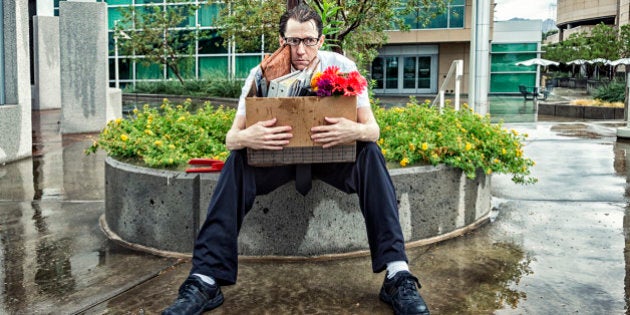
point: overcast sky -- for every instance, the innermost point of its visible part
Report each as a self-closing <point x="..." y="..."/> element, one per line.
<point x="527" y="9"/>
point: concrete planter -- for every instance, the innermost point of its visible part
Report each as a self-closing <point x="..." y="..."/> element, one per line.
<point x="160" y="211"/>
<point x="580" y="112"/>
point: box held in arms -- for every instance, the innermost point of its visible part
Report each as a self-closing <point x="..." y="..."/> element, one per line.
<point x="301" y="113"/>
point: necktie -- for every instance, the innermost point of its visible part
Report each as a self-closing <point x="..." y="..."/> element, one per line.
<point x="303" y="179"/>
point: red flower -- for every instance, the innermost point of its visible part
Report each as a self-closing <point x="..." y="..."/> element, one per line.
<point x="332" y="82"/>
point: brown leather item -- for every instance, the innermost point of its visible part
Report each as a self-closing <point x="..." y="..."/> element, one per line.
<point x="278" y="64"/>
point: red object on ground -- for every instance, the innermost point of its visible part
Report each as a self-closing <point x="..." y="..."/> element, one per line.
<point x="204" y="165"/>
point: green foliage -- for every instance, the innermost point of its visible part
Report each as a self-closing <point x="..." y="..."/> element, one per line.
<point x="419" y="134"/>
<point x="415" y="134"/>
<point x="355" y="26"/>
<point x="624" y="41"/>
<point x="217" y="86"/>
<point x="152" y="34"/>
<point x="614" y="91"/>
<point x="168" y="136"/>
<point x="601" y="42"/>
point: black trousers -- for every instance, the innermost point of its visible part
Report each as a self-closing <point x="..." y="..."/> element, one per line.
<point x="216" y="250"/>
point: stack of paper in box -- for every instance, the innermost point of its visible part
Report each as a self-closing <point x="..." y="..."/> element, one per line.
<point x="293" y="84"/>
<point x="285" y="100"/>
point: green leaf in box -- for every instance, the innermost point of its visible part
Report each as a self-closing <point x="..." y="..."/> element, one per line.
<point x="301" y="113"/>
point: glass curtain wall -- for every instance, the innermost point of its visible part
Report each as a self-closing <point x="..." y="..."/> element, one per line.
<point x="505" y="75"/>
<point x="452" y="18"/>
<point x="211" y="58"/>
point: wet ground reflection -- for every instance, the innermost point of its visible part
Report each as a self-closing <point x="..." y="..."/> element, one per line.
<point x="558" y="247"/>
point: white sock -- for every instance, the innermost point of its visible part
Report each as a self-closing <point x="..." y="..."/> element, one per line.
<point x="396" y="266"/>
<point x="204" y="278"/>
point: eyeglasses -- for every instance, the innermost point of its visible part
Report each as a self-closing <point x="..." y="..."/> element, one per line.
<point x="295" y="41"/>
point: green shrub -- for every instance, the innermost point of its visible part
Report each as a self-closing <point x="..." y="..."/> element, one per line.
<point x="614" y="91"/>
<point x="217" y="86"/>
<point x="411" y="135"/>
<point x="419" y="134"/>
<point x="168" y="136"/>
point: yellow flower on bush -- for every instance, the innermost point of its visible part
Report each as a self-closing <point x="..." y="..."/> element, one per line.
<point x="381" y="141"/>
<point x="158" y="143"/>
<point x="148" y="132"/>
<point x="468" y="146"/>
<point x="181" y="118"/>
<point x="412" y="147"/>
<point x="425" y="146"/>
<point x="404" y="162"/>
<point x="519" y="153"/>
<point x="118" y="121"/>
<point x="383" y="151"/>
<point x="124" y="137"/>
<point x="503" y="151"/>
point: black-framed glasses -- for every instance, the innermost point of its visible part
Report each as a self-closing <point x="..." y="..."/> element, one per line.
<point x="295" y="41"/>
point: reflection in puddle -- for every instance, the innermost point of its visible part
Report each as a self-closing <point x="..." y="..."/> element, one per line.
<point x="474" y="277"/>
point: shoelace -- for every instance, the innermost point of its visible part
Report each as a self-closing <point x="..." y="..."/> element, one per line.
<point x="408" y="286"/>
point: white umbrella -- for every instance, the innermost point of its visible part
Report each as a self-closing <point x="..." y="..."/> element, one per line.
<point x="577" y="62"/>
<point x="622" y="61"/>
<point x="598" y="60"/>
<point x="537" y="61"/>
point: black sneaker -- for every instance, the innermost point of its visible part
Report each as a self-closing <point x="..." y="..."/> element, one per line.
<point x="401" y="293"/>
<point x="195" y="297"/>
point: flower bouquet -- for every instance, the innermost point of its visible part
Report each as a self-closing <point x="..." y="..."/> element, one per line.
<point x="332" y="82"/>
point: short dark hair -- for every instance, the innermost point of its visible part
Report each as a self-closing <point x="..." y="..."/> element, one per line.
<point x="301" y="13"/>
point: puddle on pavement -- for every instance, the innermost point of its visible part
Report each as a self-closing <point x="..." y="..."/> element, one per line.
<point x="576" y="130"/>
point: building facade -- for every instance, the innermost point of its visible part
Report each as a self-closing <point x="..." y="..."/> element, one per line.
<point x="582" y="15"/>
<point x="514" y="41"/>
<point x="413" y="62"/>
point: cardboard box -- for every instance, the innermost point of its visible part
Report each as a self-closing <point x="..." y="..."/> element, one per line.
<point x="301" y="113"/>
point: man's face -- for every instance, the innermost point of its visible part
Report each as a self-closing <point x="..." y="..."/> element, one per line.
<point x="301" y="54"/>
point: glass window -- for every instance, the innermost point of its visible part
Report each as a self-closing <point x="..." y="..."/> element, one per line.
<point x="124" y="69"/>
<point x="113" y="14"/>
<point x="213" y="66"/>
<point x="151" y="71"/>
<point x="116" y="2"/>
<point x="456" y="17"/>
<point x="208" y="13"/>
<point x="452" y="18"/>
<point x="514" y="47"/>
<point x="244" y="64"/>
<point x="507" y="62"/>
<point x="149" y="1"/>
<point x="509" y="82"/>
<point x="186" y="69"/>
<point x="409" y="73"/>
<point x="391" y="73"/>
<point x="377" y="72"/>
<point x="212" y="45"/>
<point x="424" y="72"/>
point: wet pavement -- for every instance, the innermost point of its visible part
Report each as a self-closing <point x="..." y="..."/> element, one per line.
<point x="556" y="247"/>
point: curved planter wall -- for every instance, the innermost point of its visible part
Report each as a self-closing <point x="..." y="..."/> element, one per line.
<point x="161" y="211"/>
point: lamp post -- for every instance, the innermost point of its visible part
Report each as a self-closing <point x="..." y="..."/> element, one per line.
<point x="117" y="33"/>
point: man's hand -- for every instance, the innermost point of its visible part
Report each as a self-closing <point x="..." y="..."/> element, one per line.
<point x="261" y="135"/>
<point x="338" y="131"/>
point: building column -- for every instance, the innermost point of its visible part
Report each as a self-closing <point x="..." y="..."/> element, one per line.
<point x="480" y="57"/>
<point x="84" y="66"/>
<point x="15" y="107"/>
